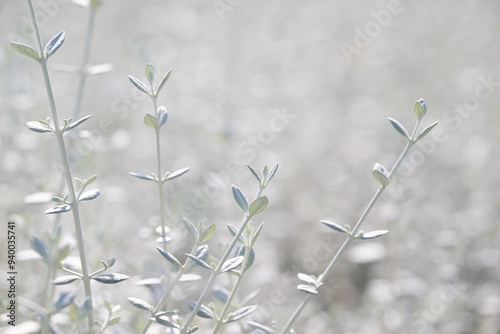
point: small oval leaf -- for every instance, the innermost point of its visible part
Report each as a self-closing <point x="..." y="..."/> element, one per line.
<point x="171" y="258"/>
<point x="39" y="127"/>
<point x="420" y="108"/>
<point x="193" y="232"/>
<point x="372" y="234"/>
<point x="334" y="226"/>
<point x="177" y="173"/>
<point x="308" y="289"/>
<point x="399" y="128"/>
<point x="54" y="44"/>
<point x="89" y="195"/>
<point x="151" y="121"/>
<point x="257" y="206"/>
<point x="232" y="263"/>
<point x="142" y="176"/>
<point x="63" y="280"/>
<point x="240" y="198"/>
<point x="110" y="278"/>
<point x="139" y="85"/>
<point x="163" y="81"/>
<point x="59" y="209"/>
<point x="73" y="125"/>
<point x="426" y="131"/>
<point x="380" y="174"/>
<point x="25" y="50"/>
<point x="240" y="313"/>
<point x="141" y="304"/>
<point x="203" y="312"/>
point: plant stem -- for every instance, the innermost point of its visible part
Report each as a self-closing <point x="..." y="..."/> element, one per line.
<point x="67" y="171"/>
<point x="352" y="233"/>
<point x="170" y="287"/>
<point x="231" y="296"/>
<point x="85" y="60"/>
<point x="215" y="273"/>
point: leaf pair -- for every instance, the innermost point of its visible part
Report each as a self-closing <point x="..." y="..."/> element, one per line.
<point x="253" y="209"/>
<point x="347" y="230"/>
<point x="52" y="46"/>
<point x="150" y="75"/>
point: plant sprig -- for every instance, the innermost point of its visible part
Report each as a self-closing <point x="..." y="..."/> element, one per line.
<point x="311" y="284"/>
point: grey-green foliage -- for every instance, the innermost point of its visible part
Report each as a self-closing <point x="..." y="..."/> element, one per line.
<point x="51" y="253"/>
<point x="310" y="284"/>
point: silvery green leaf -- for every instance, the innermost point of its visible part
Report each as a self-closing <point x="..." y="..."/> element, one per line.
<point x="139" y="303"/>
<point x="234" y="232"/>
<point x="151" y="121"/>
<point x="221" y="293"/>
<point x="177" y="173"/>
<point x="256" y="325"/>
<point x="257" y="206"/>
<point x="271" y="174"/>
<point x="307" y="279"/>
<point x="110" y="278"/>
<point x="163" y="81"/>
<point x="193" y="232"/>
<point x="256" y="234"/>
<point x="165" y="322"/>
<point x="426" y="131"/>
<point x="420" y="108"/>
<point x="199" y="262"/>
<point x="202" y="252"/>
<point x="240" y="198"/>
<point x="110" y="262"/>
<point x="380" y="174"/>
<point x="73" y="125"/>
<point x="372" y="234"/>
<point x="307" y="288"/>
<point x="63" y="280"/>
<point x="265" y="171"/>
<point x="207" y="233"/>
<point x="252" y="296"/>
<point x="254" y="172"/>
<point x="150" y="72"/>
<point x="399" y="128"/>
<point x="232" y="263"/>
<point x="203" y="312"/>
<point x="334" y="226"/>
<point x="139" y="85"/>
<point x="142" y="176"/>
<point x="91" y="180"/>
<point x="89" y="195"/>
<point x="54" y="44"/>
<point x="42" y="249"/>
<point x="170" y="257"/>
<point x="65" y="299"/>
<point x="25" y="50"/>
<point x="163" y="239"/>
<point x="240" y="313"/>
<point x="162" y="115"/>
<point x="99" y="69"/>
<point x="59" y="209"/>
<point x="113" y="321"/>
<point x="163" y="313"/>
<point x="39" y="127"/>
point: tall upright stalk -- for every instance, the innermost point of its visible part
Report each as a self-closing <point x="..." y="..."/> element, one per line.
<point x="72" y="199"/>
<point x="381" y="175"/>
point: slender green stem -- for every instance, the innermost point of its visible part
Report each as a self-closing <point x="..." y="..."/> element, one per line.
<point x="214" y="274"/>
<point x="67" y="171"/>
<point x="85" y="61"/>
<point x="352" y="233"/>
<point x="219" y="323"/>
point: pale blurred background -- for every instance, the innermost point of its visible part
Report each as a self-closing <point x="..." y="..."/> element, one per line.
<point x="265" y="82"/>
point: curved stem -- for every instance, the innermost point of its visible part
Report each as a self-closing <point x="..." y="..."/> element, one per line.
<point x="67" y="172"/>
